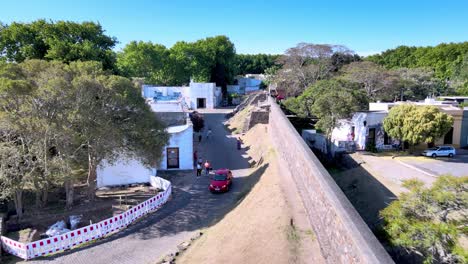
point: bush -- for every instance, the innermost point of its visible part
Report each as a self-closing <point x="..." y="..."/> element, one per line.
<point x="430" y="221"/>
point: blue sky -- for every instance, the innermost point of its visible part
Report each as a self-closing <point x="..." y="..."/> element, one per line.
<point x="257" y="26"/>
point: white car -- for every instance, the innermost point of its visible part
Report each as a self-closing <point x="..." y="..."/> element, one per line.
<point x="441" y="151"/>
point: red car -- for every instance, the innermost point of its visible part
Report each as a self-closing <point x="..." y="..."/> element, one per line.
<point x="221" y="181"/>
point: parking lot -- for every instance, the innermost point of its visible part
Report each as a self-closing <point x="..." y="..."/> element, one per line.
<point x="456" y="166"/>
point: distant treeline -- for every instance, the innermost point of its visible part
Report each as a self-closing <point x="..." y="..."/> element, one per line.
<point x="444" y="59"/>
<point x="212" y="59"/>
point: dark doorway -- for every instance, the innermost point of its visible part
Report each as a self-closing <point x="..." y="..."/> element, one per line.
<point x="371" y="137"/>
<point x="448" y="138"/>
<point x="387" y="140"/>
<point x="201" y="102"/>
<point x="172" y="158"/>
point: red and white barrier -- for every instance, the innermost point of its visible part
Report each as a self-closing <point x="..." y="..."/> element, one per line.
<point x="85" y="234"/>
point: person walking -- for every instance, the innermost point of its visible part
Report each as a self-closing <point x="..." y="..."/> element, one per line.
<point x="200" y="161"/>
<point x="239" y="143"/>
<point x="199" y="137"/>
<point x="199" y="169"/>
<point x="207" y="167"/>
<point x="195" y="158"/>
<point x="208" y="134"/>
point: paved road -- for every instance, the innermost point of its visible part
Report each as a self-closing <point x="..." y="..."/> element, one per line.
<point x="456" y="166"/>
<point x="191" y="208"/>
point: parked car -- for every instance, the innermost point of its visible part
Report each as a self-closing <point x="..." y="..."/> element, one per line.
<point x="440" y="151"/>
<point x="221" y="181"/>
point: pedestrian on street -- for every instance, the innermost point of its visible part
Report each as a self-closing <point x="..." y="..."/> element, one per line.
<point x="207" y="167"/>
<point x="208" y="134"/>
<point x="239" y="143"/>
<point x="199" y="169"/>
<point x="200" y="161"/>
<point x="195" y="157"/>
<point x="199" y="137"/>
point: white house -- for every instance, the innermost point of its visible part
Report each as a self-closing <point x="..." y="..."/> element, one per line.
<point x="177" y="154"/>
<point x="195" y="96"/>
<point x="366" y="128"/>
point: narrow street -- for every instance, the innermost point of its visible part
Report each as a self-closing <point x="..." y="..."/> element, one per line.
<point x="191" y="208"/>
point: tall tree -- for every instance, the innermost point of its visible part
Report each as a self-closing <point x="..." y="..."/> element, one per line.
<point x="377" y="82"/>
<point x="145" y="59"/>
<point x="330" y="101"/>
<point x="305" y="64"/>
<point x="65" y="41"/>
<point x="254" y="63"/>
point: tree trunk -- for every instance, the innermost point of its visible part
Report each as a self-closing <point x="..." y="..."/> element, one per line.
<point x="69" y="191"/>
<point x="18" y="199"/>
<point x="92" y="177"/>
<point x="38" y="191"/>
<point x="45" y="195"/>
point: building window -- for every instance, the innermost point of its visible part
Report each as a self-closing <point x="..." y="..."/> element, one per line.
<point x="448" y="139"/>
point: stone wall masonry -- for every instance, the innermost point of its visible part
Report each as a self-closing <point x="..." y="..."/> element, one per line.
<point x="342" y="234"/>
<point x="258" y="117"/>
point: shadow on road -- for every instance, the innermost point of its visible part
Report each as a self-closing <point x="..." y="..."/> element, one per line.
<point x="192" y="206"/>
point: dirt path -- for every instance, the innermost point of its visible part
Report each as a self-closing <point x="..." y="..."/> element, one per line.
<point x="267" y="226"/>
<point x="192" y="208"/>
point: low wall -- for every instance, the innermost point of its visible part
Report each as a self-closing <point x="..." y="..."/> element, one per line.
<point x="85" y="234"/>
<point x="342" y="234"/>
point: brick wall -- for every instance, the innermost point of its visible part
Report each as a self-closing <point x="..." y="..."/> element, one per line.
<point x="342" y="234"/>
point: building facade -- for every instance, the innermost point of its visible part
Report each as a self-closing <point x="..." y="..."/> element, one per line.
<point x="194" y="96"/>
<point x="366" y="128"/>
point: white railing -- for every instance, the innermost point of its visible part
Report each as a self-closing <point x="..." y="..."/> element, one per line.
<point x="85" y="234"/>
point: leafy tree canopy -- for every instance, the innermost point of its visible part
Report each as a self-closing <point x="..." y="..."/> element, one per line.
<point x="417" y="124"/>
<point x="64" y="41"/>
<point x="441" y="58"/>
<point x="430" y="221"/>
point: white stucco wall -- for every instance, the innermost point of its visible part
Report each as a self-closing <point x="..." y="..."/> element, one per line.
<point x="123" y="171"/>
<point x="149" y="90"/>
<point x="202" y="90"/>
<point x="182" y="138"/>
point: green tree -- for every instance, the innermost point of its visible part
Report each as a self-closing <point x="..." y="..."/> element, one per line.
<point x="254" y="63"/>
<point x="440" y="58"/>
<point x="73" y="117"/>
<point x="145" y="59"/>
<point x="417" y="124"/>
<point x="430" y="221"/>
<point x="329" y="101"/>
<point x="65" y="41"/>
<point x="376" y="81"/>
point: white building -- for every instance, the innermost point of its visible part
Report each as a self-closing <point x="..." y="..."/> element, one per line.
<point x="245" y="85"/>
<point x="366" y="128"/>
<point x="195" y="96"/>
<point x="177" y="154"/>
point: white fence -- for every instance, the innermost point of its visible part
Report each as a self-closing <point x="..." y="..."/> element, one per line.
<point x="85" y="234"/>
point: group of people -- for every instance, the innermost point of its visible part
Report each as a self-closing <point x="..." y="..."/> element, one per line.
<point x="201" y="165"/>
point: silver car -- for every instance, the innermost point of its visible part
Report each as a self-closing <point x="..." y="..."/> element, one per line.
<point x="447" y="151"/>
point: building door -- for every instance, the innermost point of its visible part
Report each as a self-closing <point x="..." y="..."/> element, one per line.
<point x="201" y="102"/>
<point x="371" y="137"/>
<point x="448" y="139"/>
<point x="172" y="158"/>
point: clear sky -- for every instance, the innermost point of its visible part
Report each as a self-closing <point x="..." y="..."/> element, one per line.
<point x="257" y="26"/>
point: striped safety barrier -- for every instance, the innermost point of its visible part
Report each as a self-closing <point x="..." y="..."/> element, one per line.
<point x="85" y="234"/>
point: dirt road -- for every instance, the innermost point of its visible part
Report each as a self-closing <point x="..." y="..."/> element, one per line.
<point x="192" y="208"/>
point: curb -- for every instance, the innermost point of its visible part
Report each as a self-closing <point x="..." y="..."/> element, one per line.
<point x="416" y="169"/>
